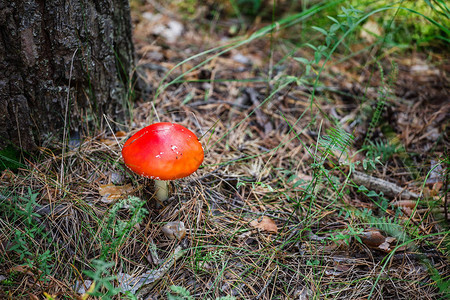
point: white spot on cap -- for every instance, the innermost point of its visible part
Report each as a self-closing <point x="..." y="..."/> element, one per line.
<point x="174" y="149"/>
<point x="149" y="177"/>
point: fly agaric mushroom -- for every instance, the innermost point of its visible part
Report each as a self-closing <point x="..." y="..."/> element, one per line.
<point x="163" y="151"/>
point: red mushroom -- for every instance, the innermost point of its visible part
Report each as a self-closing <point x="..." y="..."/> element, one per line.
<point x="163" y="151"/>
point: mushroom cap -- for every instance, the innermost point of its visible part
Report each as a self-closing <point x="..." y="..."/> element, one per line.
<point x="163" y="151"/>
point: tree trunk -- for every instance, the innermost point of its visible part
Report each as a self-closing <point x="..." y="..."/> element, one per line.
<point x="63" y="65"/>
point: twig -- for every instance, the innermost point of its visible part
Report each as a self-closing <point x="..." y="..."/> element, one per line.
<point x="263" y="290"/>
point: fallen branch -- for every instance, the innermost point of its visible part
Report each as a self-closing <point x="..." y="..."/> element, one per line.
<point x="379" y="185"/>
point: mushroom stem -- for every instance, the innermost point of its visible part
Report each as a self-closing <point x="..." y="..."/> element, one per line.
<point x="162" y="190"/>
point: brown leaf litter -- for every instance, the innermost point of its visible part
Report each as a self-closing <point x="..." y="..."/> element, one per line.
<point x="248" y="231"/>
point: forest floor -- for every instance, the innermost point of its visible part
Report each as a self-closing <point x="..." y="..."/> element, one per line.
<point x="321" y="183"/>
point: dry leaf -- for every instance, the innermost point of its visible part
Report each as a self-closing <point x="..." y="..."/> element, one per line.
<point x="390" y="239"/>
<point x="404" y="203"/>
<point x="81" y="287"/>
<point x="436" y="188"/>
<point x="265" y="224"/>
<point x="341" y="268"/>
<point x="372" y="238"/>
<point x="111" y="192"/>
<point x="108" y="142"/>
<point x="120" y="133"/>
<point x="385" y="247"/>
<point x="174" y="230"/>
<point x="24" y="269"/>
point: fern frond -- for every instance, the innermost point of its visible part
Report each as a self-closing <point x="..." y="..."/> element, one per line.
<point x="336" y="140"/>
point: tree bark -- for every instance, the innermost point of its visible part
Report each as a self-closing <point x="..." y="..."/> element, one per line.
<point x="63" y="65"/>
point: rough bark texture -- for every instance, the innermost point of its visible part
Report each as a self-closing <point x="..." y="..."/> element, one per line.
<point x="38" y="39"/>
